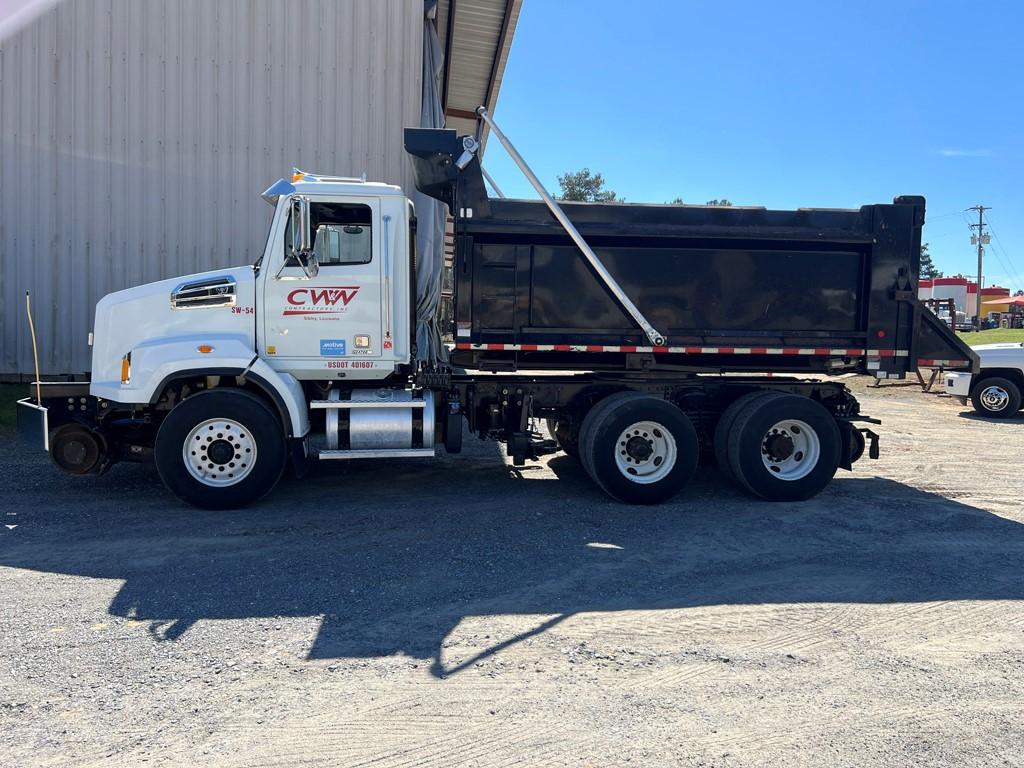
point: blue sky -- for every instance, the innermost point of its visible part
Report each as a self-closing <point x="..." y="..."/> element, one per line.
<point x="783" y="104"/>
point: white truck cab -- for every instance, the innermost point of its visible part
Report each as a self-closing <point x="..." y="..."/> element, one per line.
<point x="220" y="375"/>
<point x="349" y="317"/>
<point x="996" y="390"/>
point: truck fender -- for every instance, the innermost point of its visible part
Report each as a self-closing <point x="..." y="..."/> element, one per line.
<point x="156" y="363"/>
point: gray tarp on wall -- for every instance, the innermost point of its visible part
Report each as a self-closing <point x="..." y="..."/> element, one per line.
<point x="430" y="213"/>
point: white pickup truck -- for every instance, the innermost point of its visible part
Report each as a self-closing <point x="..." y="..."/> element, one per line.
<point x="997" y="388"/>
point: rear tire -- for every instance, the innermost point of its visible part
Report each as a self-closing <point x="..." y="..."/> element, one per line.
<point x="996" y="397"/>
<point x="724" y="427"/>
<point x="220" y="449"/>
<point x="639" y="449"/>
<point x="784" y="448"/>
<point x="594" y="415"/>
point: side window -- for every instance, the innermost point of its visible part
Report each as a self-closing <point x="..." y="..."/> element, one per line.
<point x="344" y="234"/>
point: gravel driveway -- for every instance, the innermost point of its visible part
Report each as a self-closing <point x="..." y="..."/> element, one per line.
<point x="463" y="612"/>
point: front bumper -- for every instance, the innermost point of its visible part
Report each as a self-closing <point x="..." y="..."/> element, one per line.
<point x="958" y="385"/>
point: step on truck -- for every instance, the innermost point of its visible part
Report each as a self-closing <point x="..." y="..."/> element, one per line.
<point x="639" y="339"/>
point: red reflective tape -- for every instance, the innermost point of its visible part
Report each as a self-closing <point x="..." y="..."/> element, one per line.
<point x="529" y="347"/>
<point x="726" y="350"/>
<point x="791" y="351"/>
<point x="463" y="345"/>
<point x="887" y="353"/>
<point x="660" y="349"/>
<point x="561" y="347"/>
<point x="628" y="348"/>
<point x="759" y="350"/>
<point x="494" y="347"/>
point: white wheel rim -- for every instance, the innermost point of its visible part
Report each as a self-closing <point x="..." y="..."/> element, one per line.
<point x="790" y="449"/>
<point x="645" y="452"/>
<point x="219" y="452"/>
<point x="994" y="398"/>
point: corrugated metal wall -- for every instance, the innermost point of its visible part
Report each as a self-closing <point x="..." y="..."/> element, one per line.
<point x="136" y="136"/>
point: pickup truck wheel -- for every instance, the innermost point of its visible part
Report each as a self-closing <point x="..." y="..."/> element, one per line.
<point x="784" y="448"/>
<point x="640" y="449"/>
<point x="220" y="449"/>
<point x="724" y="427"/>
<point x="996" y="397"/>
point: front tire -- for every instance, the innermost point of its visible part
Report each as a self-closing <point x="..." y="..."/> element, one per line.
<point x="996" y="397"/>
<point x="639" y="449"/>
<point x="220" y="449"/>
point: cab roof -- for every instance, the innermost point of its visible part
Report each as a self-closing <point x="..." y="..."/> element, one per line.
<point x="305" y="183"/>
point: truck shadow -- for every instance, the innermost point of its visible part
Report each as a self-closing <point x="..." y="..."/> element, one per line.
<point x="394" y="557"/>
<point x="974" y="416"/>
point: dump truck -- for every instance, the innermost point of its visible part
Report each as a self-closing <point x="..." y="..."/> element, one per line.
<point x="643" y="340"/>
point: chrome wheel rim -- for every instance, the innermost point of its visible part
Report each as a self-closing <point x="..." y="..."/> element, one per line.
<point x="994" y="398"/>
<point x="645" y="452"/>
<point x="791" y="449"/>
<point x="219" y="452"/>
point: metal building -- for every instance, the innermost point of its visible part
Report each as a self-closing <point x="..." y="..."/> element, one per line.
<point x="136" y="135"/>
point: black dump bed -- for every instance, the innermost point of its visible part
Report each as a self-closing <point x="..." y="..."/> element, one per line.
<point x="733" y="289"/>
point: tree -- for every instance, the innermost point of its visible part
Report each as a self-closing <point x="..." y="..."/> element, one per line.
<point x="722" y="203"/>
<point x="928" y="269"/>
<point x="1020" y="292"/>
<point x="586" y="187"/>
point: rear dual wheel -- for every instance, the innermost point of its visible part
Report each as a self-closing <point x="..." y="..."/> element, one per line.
<point x="778" y="446"/>
<point x="638" y="449"/>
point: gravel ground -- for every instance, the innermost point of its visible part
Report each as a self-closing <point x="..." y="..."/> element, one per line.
<point x="463" y="612"/>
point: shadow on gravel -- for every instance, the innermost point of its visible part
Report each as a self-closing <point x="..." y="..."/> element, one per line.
<point x="394" y="558"/>
<point x="975" y="416"/>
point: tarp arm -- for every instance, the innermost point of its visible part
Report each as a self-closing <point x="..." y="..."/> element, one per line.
<point x="656" y="338"/>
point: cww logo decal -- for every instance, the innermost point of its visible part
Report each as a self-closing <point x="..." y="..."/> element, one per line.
<point x="329" y="300"/>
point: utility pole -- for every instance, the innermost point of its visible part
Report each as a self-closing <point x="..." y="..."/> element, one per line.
<point x="981" y="240"/>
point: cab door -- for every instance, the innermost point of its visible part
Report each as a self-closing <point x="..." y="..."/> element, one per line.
<point x="336" y="318"/>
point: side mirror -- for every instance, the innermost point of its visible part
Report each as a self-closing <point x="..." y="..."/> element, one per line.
<point x="302" y="246"/>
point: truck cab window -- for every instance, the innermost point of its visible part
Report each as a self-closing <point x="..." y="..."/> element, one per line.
<point x="343" y="234"/>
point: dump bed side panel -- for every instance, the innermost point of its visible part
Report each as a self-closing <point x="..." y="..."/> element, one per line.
<point x="734" y="289"/>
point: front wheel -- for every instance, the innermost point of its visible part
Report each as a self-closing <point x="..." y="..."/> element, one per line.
<point x="996" y="397"/>
<point x="220" y="449"/>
